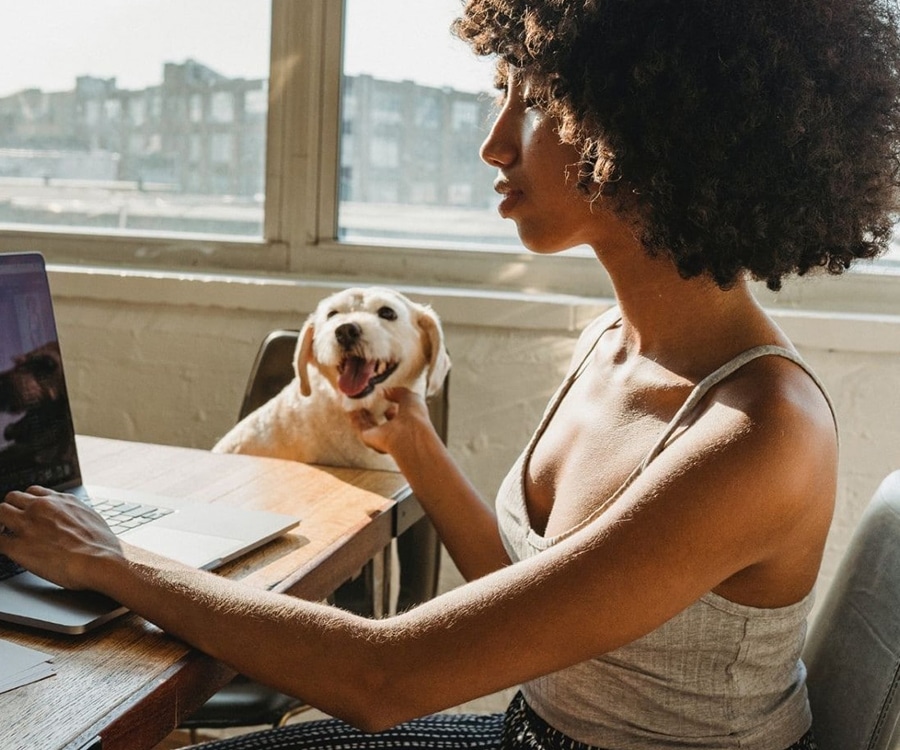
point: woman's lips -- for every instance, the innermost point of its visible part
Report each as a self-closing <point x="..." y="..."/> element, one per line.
<point x="510" y="200"/>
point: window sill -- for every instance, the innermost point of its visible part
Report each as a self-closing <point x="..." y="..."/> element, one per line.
<point x="279" y="295"/>
<point x="871" y="290"/>
<point x="841" y="329"/>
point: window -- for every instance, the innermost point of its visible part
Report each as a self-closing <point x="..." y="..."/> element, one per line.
<point x="184" y="163"/>
<point x="354" y="165"/>
<point x="384" y="153"/>
<point x="428" y="112"/>
<point x="222" y="107"/>
<point x="222" y="148"/>
<point x="419" y="105"/>
<point x="256" y="101"/>
<point x="195" y="105"/>
<point x="465" y="115"/>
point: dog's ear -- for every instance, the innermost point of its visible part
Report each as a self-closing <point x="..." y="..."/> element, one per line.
<point x="303" y="354"/>
<point x="438" y="358"/>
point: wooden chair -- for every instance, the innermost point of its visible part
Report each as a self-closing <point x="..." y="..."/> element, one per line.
<point x="244" y="703"/>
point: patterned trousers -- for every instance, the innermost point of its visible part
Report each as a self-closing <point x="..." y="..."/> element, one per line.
<point x="518" y="729"/>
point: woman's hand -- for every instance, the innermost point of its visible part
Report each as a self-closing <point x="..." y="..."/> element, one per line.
<point x="404" y="421"/>
<point x="54" y="535"/>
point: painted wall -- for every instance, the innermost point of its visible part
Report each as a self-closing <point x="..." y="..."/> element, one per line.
<point x="164" y="360"/>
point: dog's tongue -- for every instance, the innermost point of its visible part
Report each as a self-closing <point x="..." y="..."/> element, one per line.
<point x="355" y="376"/>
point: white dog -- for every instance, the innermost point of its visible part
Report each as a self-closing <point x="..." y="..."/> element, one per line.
<point x="356" y="343"/>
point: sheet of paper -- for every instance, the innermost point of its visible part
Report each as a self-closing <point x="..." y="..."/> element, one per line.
<point x="21" y="666"/>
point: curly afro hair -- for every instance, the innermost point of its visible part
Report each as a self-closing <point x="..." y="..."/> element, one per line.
<point x="758" y="136"/>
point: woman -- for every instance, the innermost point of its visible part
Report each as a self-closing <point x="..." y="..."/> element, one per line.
<point x="651" y="565"/>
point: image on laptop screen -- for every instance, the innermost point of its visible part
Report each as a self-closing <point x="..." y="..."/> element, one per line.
<point x="37" y="438"/>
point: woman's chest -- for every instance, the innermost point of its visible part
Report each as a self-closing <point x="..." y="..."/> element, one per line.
<point x="588" y="448"/>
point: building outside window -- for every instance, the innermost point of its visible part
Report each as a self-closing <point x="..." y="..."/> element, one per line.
<point x="210" y="130"/>
<point x="176" y="126"/>
<point x="222" y="106"/>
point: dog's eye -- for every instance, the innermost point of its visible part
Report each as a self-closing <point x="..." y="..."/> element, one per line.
<point x="331" y="314"/>
<point x="387" y="313"/>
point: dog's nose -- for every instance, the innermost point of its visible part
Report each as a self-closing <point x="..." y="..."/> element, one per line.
<point x="347" y="334"/>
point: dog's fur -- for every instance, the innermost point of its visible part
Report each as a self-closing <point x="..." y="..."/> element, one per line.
<point x="356" y="343"/>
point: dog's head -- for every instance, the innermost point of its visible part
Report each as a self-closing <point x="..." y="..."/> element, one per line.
<point x="363" y="339"/>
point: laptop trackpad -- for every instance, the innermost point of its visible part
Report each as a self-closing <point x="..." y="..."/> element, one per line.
<point x="237" y="524"/>
<point x="190" y="548"/>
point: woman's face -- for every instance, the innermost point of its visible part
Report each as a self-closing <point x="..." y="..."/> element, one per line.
<point x="537" y="175"/>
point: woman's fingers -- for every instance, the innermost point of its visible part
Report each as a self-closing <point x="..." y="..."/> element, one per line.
<point x="13" y="509"/>
<point x="10" y="508"/>
<point x="17" y="499"/>
<point x="54" y="535"/>
<point x="362" y="419"/>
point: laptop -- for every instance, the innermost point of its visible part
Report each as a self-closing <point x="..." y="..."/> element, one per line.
<point x="37" y="446"/>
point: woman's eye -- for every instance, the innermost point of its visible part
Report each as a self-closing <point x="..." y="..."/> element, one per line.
<point x="387" y="313"/>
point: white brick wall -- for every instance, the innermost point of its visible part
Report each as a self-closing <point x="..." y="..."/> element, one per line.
<point x="166" y="360"/>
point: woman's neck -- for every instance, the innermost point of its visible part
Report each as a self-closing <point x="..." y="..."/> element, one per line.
<point x="687" y="324"/>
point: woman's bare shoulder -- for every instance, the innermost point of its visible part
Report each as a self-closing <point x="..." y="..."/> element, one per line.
<point x="772" y="426"/>
<point x="781" y="400"/>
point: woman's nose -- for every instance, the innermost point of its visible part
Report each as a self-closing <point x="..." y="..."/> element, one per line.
<point x="499" y="148"/>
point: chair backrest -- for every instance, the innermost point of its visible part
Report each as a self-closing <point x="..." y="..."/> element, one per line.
<point x="273" y="369"/>
<point x="853" y="649"/>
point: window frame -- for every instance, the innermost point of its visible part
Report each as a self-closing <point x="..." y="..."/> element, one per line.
<point x="303" y="169"/>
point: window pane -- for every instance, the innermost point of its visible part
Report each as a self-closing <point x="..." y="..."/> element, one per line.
<point x="416" y="105"/>
<point x="144" y="115"/>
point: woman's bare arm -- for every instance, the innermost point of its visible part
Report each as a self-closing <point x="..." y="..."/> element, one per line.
<point x="744" y="499"/>
<point x="466" y="525"/>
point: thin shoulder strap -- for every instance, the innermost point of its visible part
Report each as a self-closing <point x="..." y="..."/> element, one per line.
<point x="703" y="387"/>
<point x="601" y="324"/>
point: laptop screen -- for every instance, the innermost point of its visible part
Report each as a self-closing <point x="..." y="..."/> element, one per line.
<point x="37" y="438"/>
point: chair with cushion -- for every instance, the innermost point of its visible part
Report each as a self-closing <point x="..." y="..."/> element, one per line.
<point x="244" y="703"/>
<point x="853" y="649"/>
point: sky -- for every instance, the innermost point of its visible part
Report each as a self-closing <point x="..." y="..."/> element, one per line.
<point x="51" y="42"/>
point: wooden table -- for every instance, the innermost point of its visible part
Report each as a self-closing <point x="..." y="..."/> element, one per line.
<point x="127" y="684"/>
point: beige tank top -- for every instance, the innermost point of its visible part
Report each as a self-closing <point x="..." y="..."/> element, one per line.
<point x="717" y="675"/>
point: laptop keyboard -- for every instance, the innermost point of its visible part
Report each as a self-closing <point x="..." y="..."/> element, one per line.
<point x="120" y="516"/>
<point x="8" y="568"/>
<point x="123" y="516"/>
